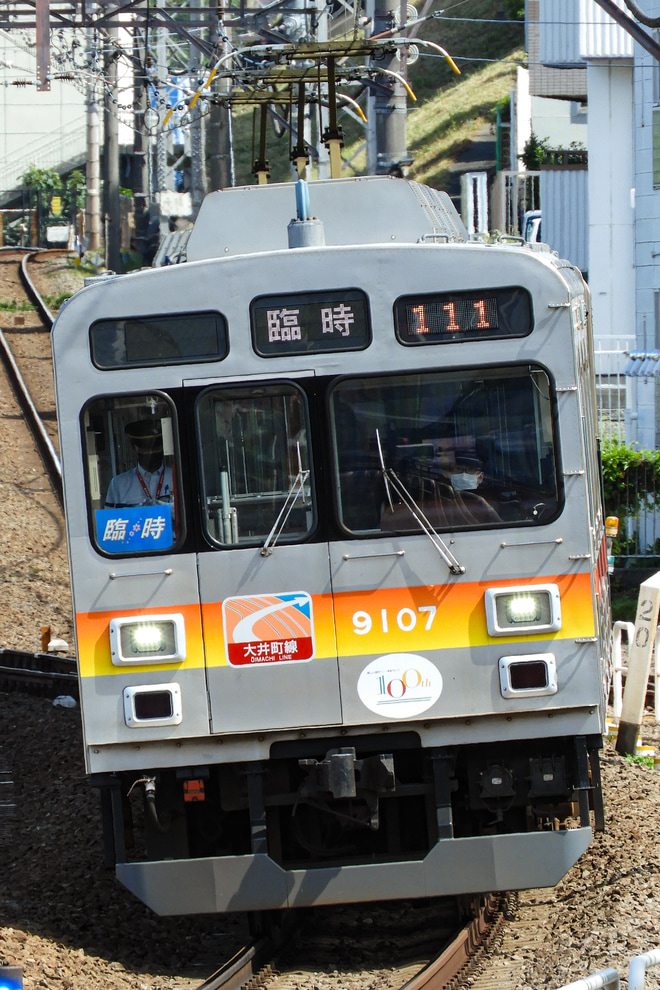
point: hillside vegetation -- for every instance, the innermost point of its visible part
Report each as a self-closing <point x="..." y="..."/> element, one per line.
<point x="450" y="110"/>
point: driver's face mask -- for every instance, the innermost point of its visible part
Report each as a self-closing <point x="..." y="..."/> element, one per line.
<point x="149" y="453"/>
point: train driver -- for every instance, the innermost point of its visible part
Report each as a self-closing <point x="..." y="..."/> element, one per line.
<point x="150" y="481"/>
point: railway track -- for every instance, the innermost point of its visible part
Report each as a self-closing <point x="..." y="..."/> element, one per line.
<point x="28" y="364"/>
<point x="25" y="321"/>
<point x="44" y="674"/>
<point x="418" y="946"/>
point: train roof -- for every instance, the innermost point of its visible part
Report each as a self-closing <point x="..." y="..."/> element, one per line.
<point x="361" y="210"/>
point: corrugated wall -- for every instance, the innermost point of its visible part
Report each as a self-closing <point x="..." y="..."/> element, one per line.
<point x="573" y="30"/>
<point x="559" y="33"/>
<point x="600" y="36"/>
<point x="565" y="207"/>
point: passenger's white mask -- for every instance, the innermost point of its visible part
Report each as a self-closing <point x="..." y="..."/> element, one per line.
<point x="465" y="482"/>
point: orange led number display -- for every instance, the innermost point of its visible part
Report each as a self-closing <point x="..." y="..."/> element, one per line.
<point x="459" y="316"/>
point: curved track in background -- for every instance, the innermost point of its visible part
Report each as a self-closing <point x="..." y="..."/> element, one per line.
<point x="44" y="674"/>
<point x="28" y="406"/>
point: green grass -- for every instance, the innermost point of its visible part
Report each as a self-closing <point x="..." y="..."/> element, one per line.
<point x="641" y="761"/>
<point x="55" y="302"/>
<point x="445" y="123"/>
<point x="449" y="109"/>
<point x="16" y="307"/>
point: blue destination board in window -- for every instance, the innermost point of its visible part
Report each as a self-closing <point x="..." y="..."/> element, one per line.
<point x="139" y="529"/>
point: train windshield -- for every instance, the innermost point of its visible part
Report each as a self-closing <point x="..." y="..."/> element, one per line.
<point x="255" y="464"/>
<point x="467" y="449"/>
<point x="132" y="470"/>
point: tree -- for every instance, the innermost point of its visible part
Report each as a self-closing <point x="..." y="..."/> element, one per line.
<point x="41" y="179"/>
<point x="535" y="152"/>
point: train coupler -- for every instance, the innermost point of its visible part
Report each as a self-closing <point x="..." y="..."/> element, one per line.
<point x="342" y="775"/>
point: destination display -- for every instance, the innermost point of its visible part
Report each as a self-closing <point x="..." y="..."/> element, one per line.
<point x="449" y="317"/>
<point x="310" y="322"/>
<point x="184" y="338"/>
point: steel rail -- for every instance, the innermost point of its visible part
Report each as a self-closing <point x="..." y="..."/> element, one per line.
<point x="44" y="674"/>
<point x="456" y="963"/>
<point x="256" y="961"/>
<point x="47" y="452"/>
<point x="31" y="289"/>
<point x="240" y="969"/>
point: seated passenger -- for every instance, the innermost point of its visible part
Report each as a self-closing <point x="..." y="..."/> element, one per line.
<point x="464" y="480"/>
<point x="454" y="500"/>
<point x="150" y="481"/>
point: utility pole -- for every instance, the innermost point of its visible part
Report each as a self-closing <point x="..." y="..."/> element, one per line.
<point x="197" y="170"/>
<point x="111" y="209"/>
<point x="387" y="152"/>
<point x="140" y="167"/>
<point x="93" y="171"/>
<point x="93" y="174"/>
<point x="160" y="180"/>
<point x="219" y="132"/>
<point x="320" y="23"/>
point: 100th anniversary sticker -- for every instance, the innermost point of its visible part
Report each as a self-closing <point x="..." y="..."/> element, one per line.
<point x="399" y="685"/>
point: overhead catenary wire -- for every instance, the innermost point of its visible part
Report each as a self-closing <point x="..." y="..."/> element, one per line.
<point x="164" y="106"/>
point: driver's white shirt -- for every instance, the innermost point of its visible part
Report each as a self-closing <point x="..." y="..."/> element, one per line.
<point x="125" y="489"/>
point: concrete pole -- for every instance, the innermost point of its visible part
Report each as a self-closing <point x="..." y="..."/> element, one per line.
<point x="140" y="173"/>
<point x="160" y="179"/>
<point x="219" y="130"/>
<point x="111" y="207"/>
<point x="93" y="169"/>
<point x="93" y="174"/>
<point x="389" y="105"/>
<point x="197" y="164"/>
<point x="323" y="169"/>
<point x="639" y="666"/>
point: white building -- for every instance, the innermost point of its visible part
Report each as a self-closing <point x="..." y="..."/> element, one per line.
<point x="647" y="233"/>
<point x="577" y="50"/>
<point x="46" y="129"/>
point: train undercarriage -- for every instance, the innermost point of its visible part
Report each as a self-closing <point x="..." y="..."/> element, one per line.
<point x="340" y="805"/>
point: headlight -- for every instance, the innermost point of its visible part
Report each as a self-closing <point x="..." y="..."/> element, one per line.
<point x="526" y="609"/>
<point x="148" y="639"/>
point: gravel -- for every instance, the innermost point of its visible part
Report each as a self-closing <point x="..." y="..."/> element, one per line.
<point x="71" y="925"/>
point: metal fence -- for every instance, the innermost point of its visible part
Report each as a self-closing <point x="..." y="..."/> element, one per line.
<point x="639" y="532"/>
<point x="639" y="528"/>
<point x="612" y="386"/>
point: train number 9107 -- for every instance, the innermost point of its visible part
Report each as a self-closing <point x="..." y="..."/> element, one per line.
<point x="405" y="619"/>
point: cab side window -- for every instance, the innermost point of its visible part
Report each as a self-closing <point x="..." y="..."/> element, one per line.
<point x="133" y="495"/>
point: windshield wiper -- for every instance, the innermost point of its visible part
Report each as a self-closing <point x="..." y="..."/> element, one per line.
<point x="296" y="491"/>
<point x="390" y="478"/>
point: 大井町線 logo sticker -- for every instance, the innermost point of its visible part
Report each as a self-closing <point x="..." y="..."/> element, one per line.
<point x="399" y="685"/>
<point x="268" y="628"/>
